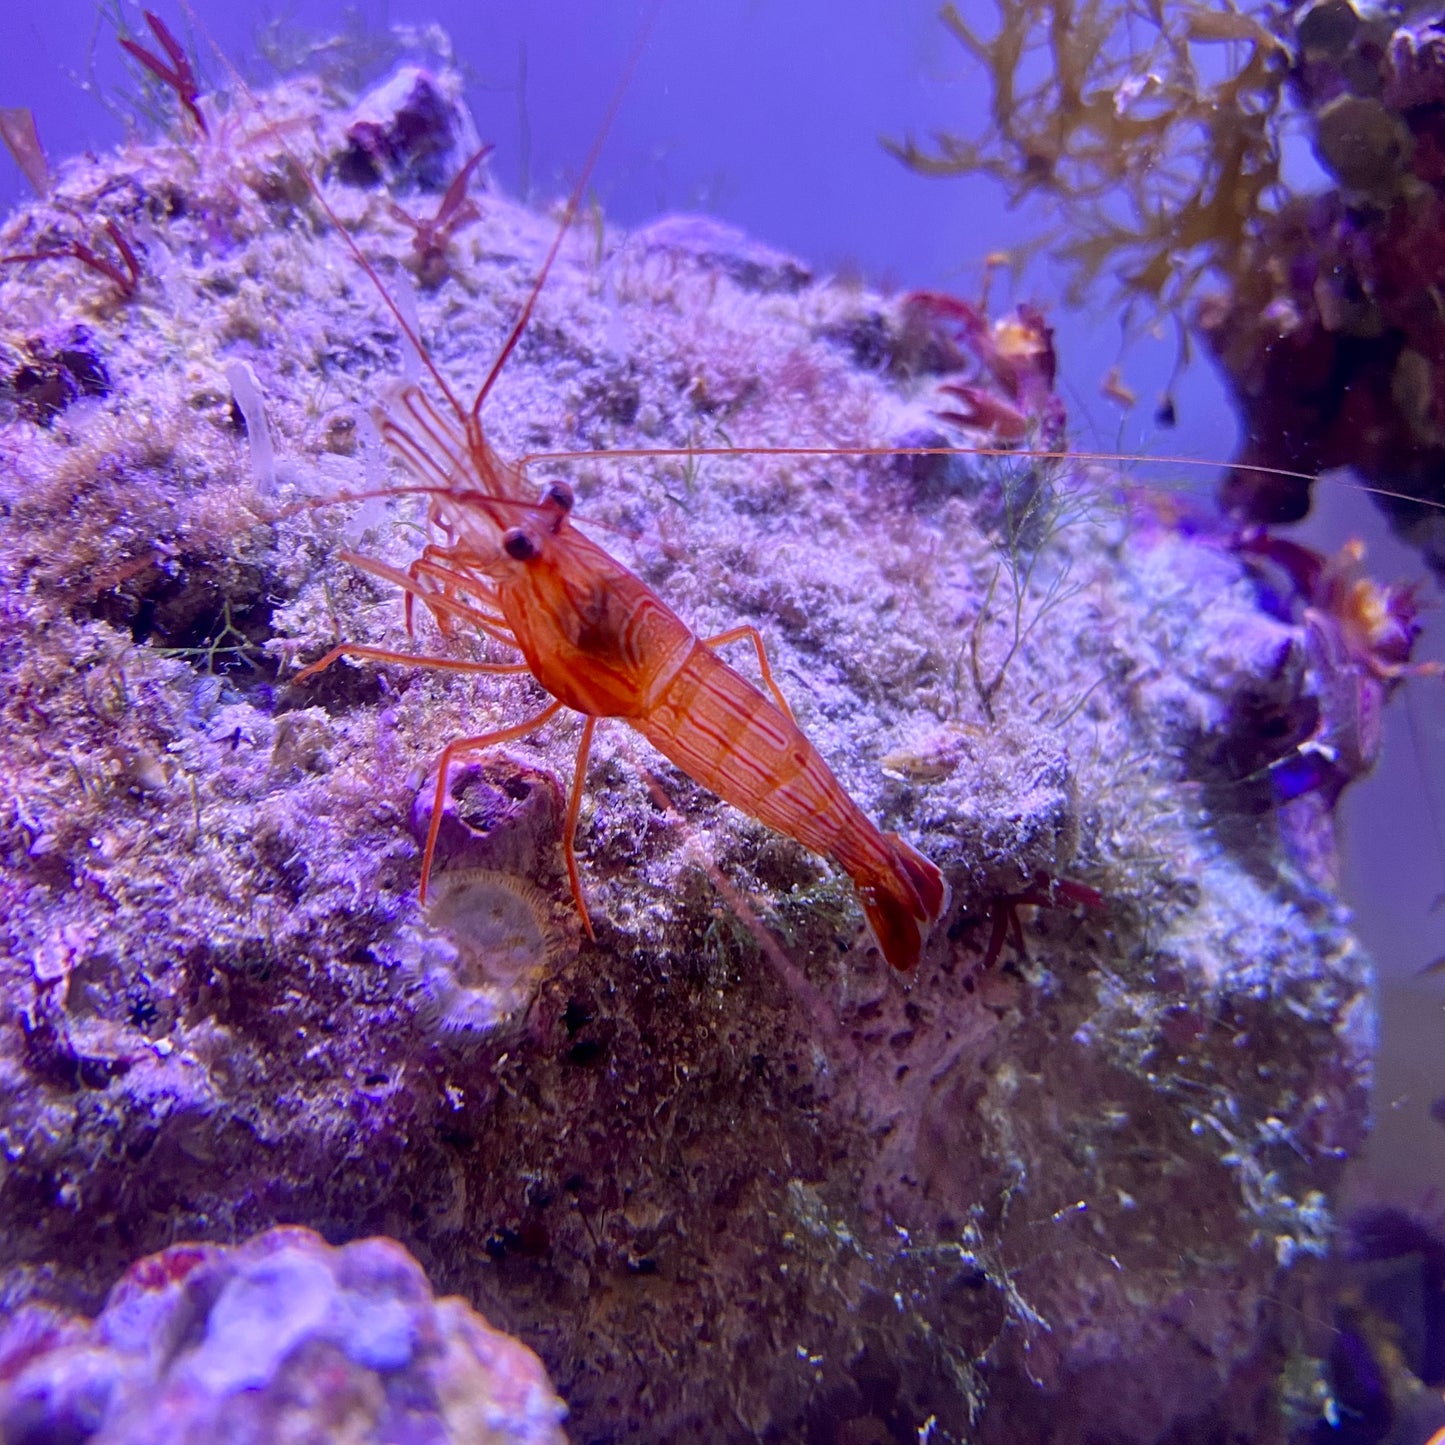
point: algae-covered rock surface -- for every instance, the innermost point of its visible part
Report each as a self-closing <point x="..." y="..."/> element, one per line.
<point x="729" y="1175"/>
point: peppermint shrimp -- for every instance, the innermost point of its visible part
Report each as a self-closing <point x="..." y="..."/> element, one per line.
<point x="604" y="644"/>
<point x="512" y="566"/>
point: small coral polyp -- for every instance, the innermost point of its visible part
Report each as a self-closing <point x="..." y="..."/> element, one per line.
<point x="492" y="940"/>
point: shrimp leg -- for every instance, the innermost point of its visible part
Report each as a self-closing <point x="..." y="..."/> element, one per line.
<point x="455" y="585"/>
<point x="455" y="749"/>
<point x="569" y="827"/>
<point x="736" y="634"/>
<point x="441" y="604"/>
<point x="384" y="654"/>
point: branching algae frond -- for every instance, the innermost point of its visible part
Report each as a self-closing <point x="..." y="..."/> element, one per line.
<point x="1161" y="159"/>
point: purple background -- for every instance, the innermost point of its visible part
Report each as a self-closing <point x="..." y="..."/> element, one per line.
<point x="768" y="113"/>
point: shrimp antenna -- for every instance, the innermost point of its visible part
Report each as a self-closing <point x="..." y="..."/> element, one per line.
<point x="469" y="420"/>
<point x="1018" y="453"/>
<point x="460" y="495"/>
<point x="407" y="329"/>
<point x="574" y="204"/>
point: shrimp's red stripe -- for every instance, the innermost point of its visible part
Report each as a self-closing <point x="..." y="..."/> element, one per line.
<point x="723" y="732"/>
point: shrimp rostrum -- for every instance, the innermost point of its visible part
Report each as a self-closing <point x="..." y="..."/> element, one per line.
<point x="597" y="638"/>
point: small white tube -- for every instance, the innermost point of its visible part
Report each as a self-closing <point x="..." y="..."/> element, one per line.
<point x="404" y="295"/>
<point x="247" y="391"/>
<point x="373" y="460"/>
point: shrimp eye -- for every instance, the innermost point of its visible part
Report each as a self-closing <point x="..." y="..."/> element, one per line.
<point x="557" y="494"/>
<point x="518" y="545"/>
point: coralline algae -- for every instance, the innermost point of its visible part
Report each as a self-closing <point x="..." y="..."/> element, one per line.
<point x="281" y="1338"/>
<point x="727" y="1174"/>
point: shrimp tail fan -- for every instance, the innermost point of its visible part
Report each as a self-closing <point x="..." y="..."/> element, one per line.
<point x="903" y="903"/>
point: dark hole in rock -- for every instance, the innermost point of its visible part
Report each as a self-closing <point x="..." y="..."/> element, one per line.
<point x="137" y="1148"/>
<point x="213" y="615"/>
<point x="54" y="373"/>
<point x="529" y="1240"/>
<point x="584" y="1052"/>
<point x="1261" y="731"/>
<point x="877" y="1379"/>
<point x="357" y="164"/>
<point x="141" y="1010"/>
<point x="619" y="401"/>
<point x="480" y="804"/>
<point x="166" y="202"/>
<point x="339" y="689"/>
<point x="868" y="340"/>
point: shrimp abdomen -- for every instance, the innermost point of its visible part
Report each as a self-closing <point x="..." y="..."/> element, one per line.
<point x="723" y="732"/>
